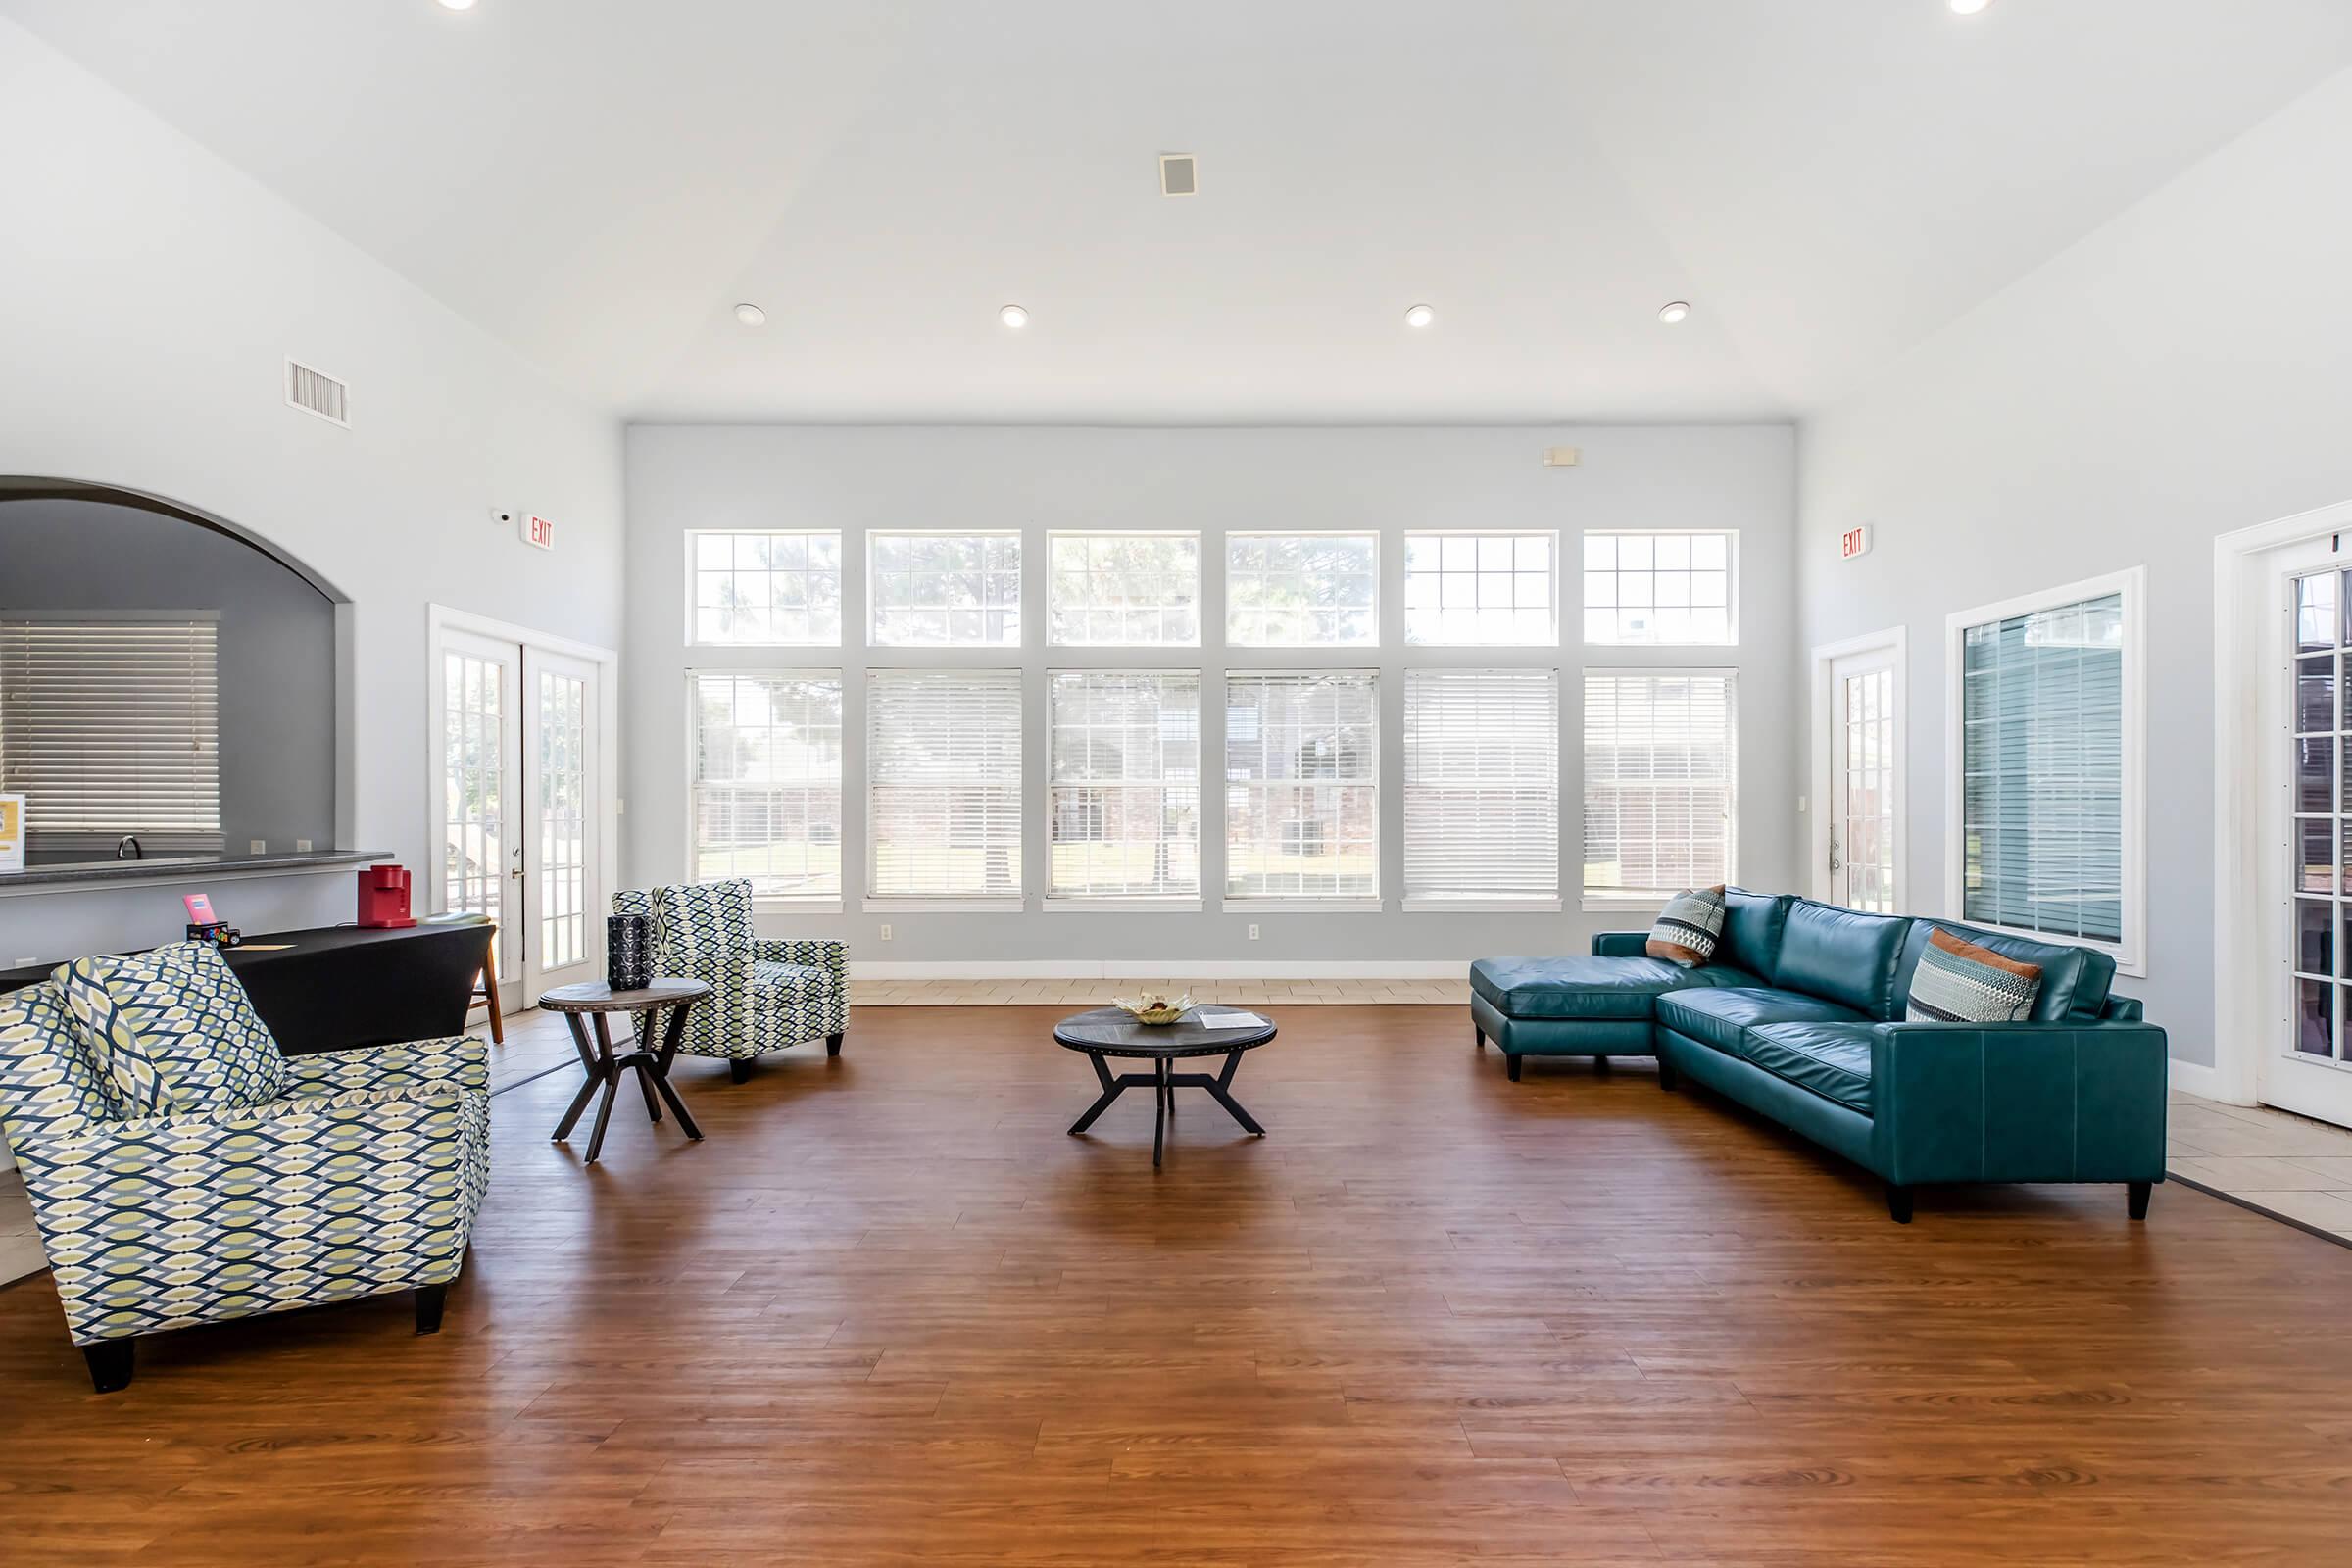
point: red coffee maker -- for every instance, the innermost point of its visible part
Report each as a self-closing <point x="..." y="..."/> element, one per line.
<point x="384" y="897"/>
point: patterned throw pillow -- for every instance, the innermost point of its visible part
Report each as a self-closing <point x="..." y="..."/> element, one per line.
<point x="1959" y="982"/>
<point x="172" y="1030"/>
<point x="1686" y="933"/>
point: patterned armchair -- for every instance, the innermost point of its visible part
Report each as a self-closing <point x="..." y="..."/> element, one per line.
<point x="764" y="996"/>
<point x="362" y="1176"/>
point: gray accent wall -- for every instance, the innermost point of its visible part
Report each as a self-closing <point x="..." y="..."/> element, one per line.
<point x="1040" y="479"/>
<point x="2179" y="374"/>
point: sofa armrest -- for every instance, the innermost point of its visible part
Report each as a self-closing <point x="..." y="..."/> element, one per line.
<point x="1621" y="944"/>
<point x="459" y="1061"/>
<point x="2018" y="1103"/>
<point x="816" y="954"/>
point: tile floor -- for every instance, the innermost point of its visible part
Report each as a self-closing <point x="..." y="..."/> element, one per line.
<point x="2288" y="1167"/>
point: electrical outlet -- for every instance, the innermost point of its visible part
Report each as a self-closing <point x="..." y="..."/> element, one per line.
<point x="886" y="931"/>
<point x="258" y="846"/>
<point x="1254" y="933"/>
<point x="301" y="846"/>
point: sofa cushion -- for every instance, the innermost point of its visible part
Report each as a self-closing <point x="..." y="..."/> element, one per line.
<point x="1588" y="987"/>
<point x="1752" y="923"/>
<point x="2075" y="981"/>
<point x="1832" y="1060"/>
<point x="772" y="979"/>
<point x="1720" y="1018"/>
<point x="1687" y="928"/>
<point x="1843" y="955"/>
<point x="705" y="917"/>
<point x="1960" y="982"/>
<point x="174" y="1030"/>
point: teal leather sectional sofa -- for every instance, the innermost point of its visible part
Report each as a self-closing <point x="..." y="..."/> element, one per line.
<point x="1798" y="1017"/>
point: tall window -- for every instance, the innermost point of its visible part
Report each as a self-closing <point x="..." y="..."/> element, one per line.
<point x="2046" y="836"/>
<point x="767" y="780"/>
<point x="1301" y="792"/>
<point x="1482" y="817"/>
<point x="1125" y="799"/>
<point x="1661" y="588"/>
<point x="945" y="590"/>
<point x="944" y="795"/>
<point x="1134" y="590"/>
<point x="1302" y="590"/>
<point x="1471" y="588"/>
<point x="112" y="725"/>
<point x="1661" y="772"/>
<point x="771" y="588"/>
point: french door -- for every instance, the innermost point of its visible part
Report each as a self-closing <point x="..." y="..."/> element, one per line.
<point x="516" y="802"/>
<point x="1860" y="782"/>
<point x="2307" y="1066"/>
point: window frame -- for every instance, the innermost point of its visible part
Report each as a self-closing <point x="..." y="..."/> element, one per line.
<point x="1231" y="903"/>
<point x="1621" y="900"/>
<point x="1405" y="579"/>
<point x="694" y="538"/>
<point x="803" y="904"/>
<point x="1731" y="568"/>
<point x="1168" y="904"/>
<point x="2130" y="953"/>
<point x="1199" y="540"/>
<point x="1486" y="902"/>
<point x="1020" y="575"/>
<point x="1345" y="649"/>
<point x="874" y="902"/>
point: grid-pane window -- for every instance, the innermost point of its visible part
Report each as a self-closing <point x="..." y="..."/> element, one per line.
<point x="944" y="792"/>
<point x="113" y="726"/>
<point x="1125" y="799"/>
<point x="945" y="590"/>
<point x="767" y="588"/>
<point x="1660" y="588"/>
<point x="768" y="782"/>
<point x="1132" y="590"/>
<point x="2042" y="770"/>
<point x="1473" y="588"/>
<point x="1302" y="590"/>
<point x="1660" y="773"/>
<point x="2320" y="914"/>
<point x="1482" y="818"/>
<point x="1301" y="796"/>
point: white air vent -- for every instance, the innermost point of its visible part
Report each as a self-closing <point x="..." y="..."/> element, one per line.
<point x="1179" y="175"/>
<point x="317" y="392"/>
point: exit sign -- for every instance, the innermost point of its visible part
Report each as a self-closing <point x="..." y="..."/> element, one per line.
<point x="538" y="530"/>
<point x="1853" y="542"/>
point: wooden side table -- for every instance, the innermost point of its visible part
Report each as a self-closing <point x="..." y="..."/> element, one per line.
<point x="596" y="1001"/>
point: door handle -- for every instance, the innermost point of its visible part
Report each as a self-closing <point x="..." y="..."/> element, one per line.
<point x="1835" y="864"/>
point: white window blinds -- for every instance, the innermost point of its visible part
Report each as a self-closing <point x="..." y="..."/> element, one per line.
<point x="1301" y="795"/>
<point x="1661" y="781"/>
<point x="113" y="726"/>
<point x="1482" y="820"/>
<point x="768" y="782"/>
<point x="943" y="802"/>
<point x="1125" y="798"/>
<point x="2042" y="770"/>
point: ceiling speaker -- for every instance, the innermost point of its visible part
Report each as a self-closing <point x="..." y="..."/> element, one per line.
<point x="1179" y="175"/>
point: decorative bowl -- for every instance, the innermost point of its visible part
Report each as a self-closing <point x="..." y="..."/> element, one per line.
<point x="1153" y="1008"/>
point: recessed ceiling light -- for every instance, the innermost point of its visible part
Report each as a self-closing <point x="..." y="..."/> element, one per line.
<point x="1674" y="312"/>
<point x="456" y="5"/>
<point x="1968" y="8"/>
<point x="1015" y="317"/>
<point x="1419" y="315"/>
<point x="750" y="315"/>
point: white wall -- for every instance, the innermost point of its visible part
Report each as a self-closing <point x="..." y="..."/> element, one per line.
<point x="149" y="296"/>
<point x="1040" y="479"/>
<point x="2184" y="371"/>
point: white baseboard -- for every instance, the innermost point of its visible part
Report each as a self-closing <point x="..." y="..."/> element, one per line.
<point x="2192" y="1079"/>
<point x="1166" y="969"/>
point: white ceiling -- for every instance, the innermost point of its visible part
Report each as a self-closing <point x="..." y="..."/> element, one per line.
<point x="599" y="181"/>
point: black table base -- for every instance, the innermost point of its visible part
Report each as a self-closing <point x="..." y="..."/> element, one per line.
<point x="1164" y="1082"/>
<point x="604" y="1066"/>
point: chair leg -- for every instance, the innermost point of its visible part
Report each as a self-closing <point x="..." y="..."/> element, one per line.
<point x="740" y="1069"/>
<point x="1510" y="1064"/>
<point x="1480" y="1036"/>
<point x="1668" y="1079"/>
<point x="1898" y="1203"/>
<point x="2140" y="1191"/>
<point x="833" y="1043"/>
<point x="110" y="1364"/>
<point x="431" y="1299"/>
<point x="489" y="978"/>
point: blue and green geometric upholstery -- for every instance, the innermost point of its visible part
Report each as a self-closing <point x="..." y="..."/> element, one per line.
<point x="172" y="1030"/>
<point x="362" y="1175"/>
<point x="764" y="995"/>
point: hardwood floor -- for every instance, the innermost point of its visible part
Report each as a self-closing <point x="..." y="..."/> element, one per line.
<point x="890" y="1313"/>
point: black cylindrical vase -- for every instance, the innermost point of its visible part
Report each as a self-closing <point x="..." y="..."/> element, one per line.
<point x="628" y="952"/>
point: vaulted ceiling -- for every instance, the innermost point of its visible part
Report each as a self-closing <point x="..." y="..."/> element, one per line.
<point x="600" y="182"/>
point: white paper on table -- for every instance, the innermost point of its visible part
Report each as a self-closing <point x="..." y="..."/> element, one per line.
<point x="1227" y="1019"/>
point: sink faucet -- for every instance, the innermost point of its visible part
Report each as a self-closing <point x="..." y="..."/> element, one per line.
<point x="127" y="847"/>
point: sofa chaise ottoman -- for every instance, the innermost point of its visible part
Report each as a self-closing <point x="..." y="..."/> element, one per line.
<point x="1799" y="1018"/>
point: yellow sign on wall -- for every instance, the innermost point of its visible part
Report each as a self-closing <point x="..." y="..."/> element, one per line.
<point x="12" y="832"/>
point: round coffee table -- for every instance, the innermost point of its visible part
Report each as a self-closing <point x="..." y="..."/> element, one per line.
<point x="593" y="999"/>
<point x="1109" y="1032"/>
